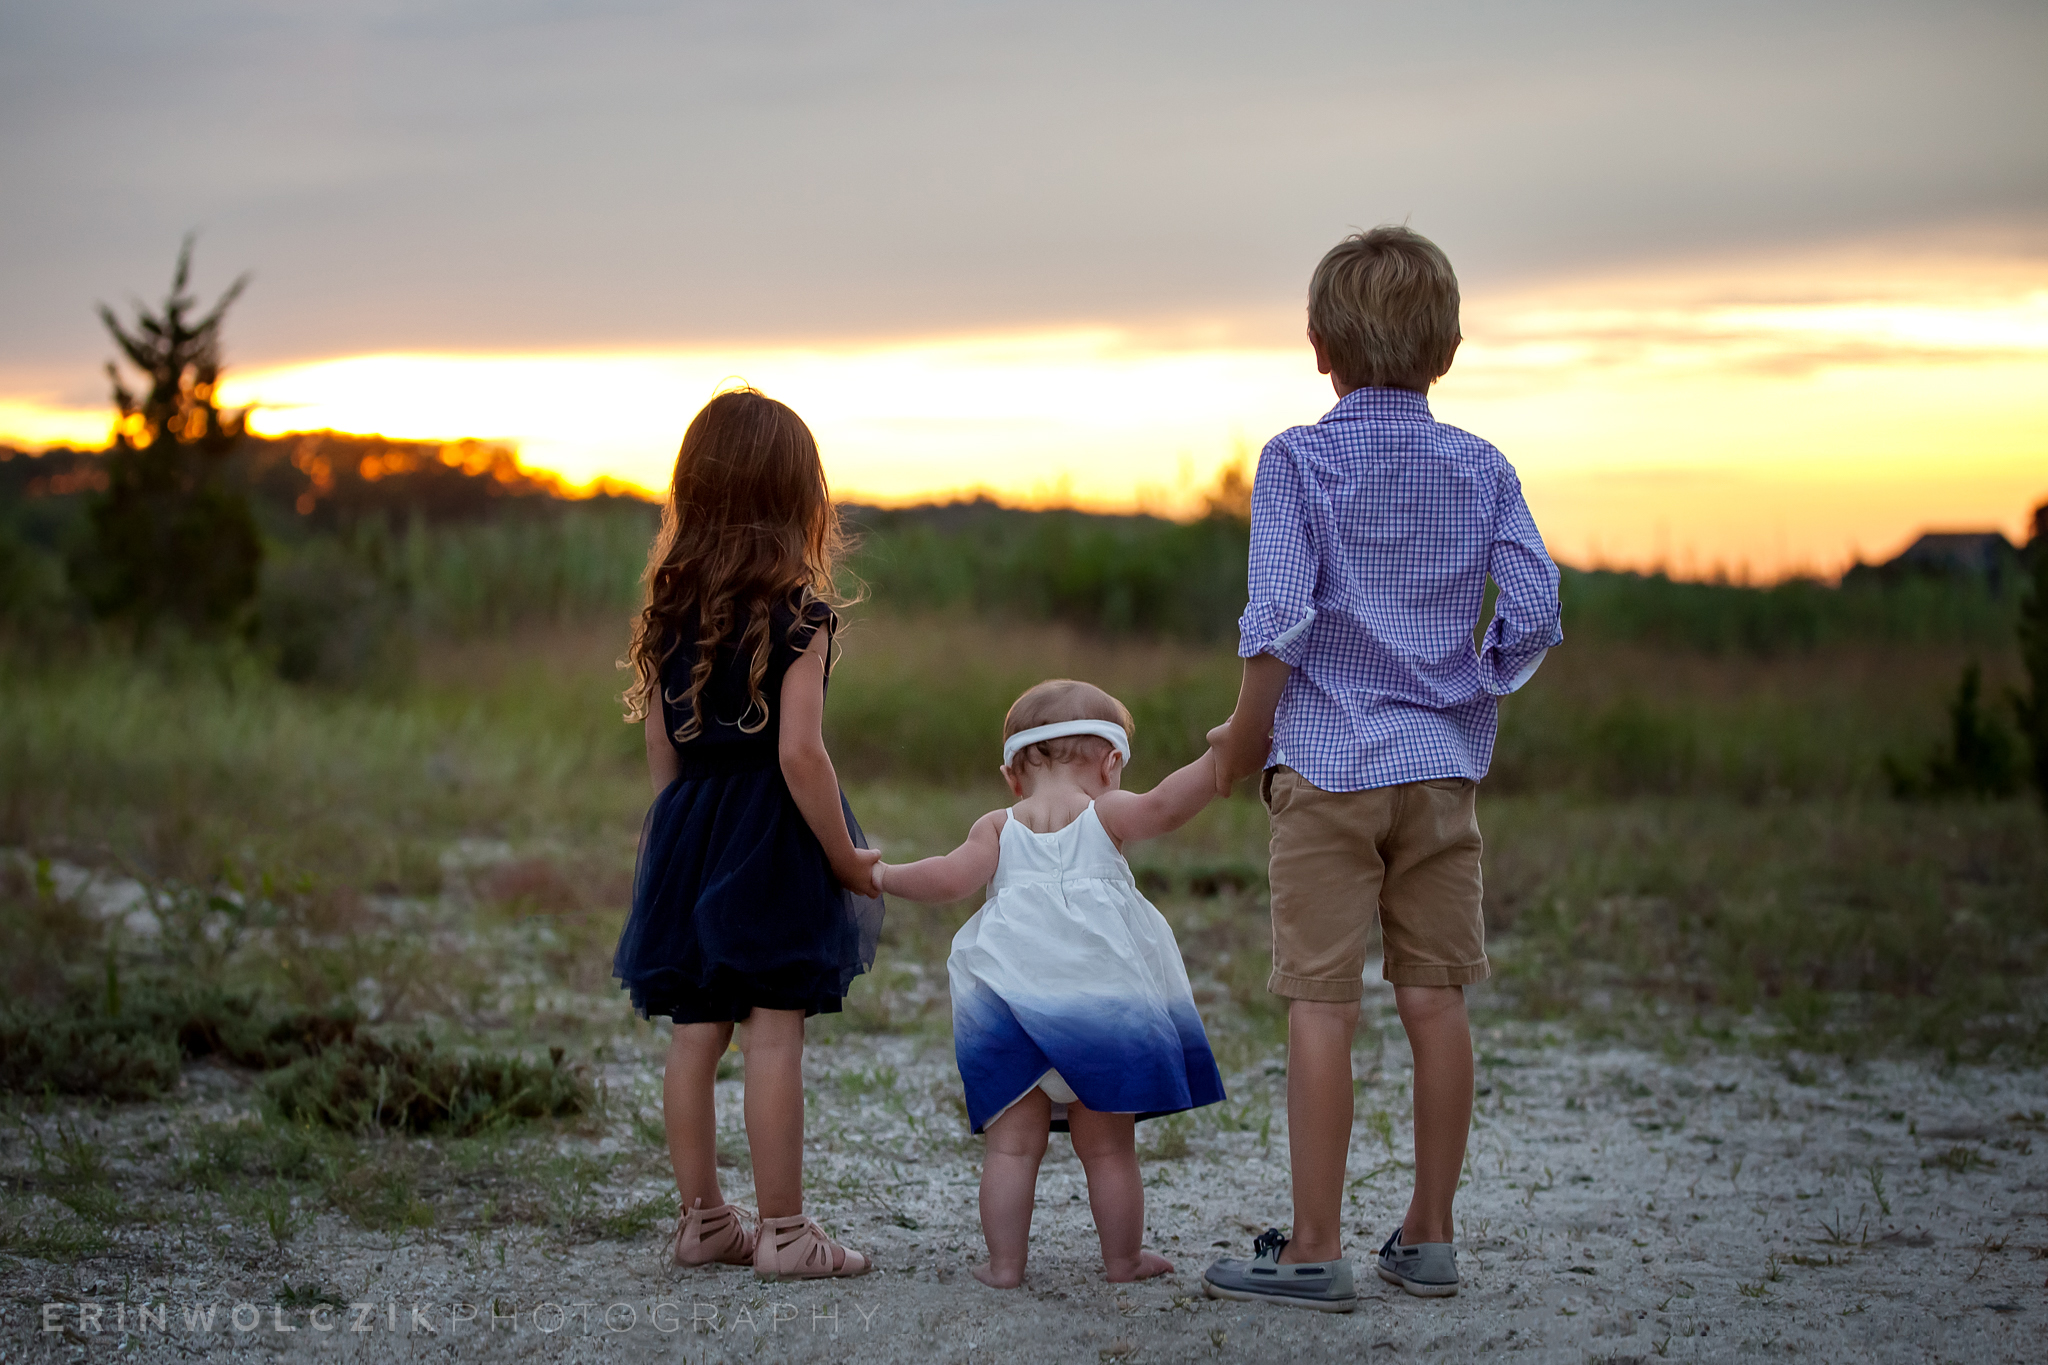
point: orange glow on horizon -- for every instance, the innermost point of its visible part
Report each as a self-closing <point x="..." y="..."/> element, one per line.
<point x="1775" y="418"/>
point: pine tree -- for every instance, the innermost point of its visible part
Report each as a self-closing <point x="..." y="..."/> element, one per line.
<point x="170" y="538"/>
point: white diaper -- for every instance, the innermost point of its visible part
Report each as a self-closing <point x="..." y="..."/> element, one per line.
<point x="1056" y="1088"/>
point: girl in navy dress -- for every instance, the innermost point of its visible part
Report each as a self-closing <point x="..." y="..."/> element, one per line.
<point x="754" y="900"/>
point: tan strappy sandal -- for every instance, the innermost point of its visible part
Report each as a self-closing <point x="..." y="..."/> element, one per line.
<point x="707" y="1235"/>
<point x="796" y="1248"/>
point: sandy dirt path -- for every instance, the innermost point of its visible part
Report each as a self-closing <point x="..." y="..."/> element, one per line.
<point x="1619" y="1206"/>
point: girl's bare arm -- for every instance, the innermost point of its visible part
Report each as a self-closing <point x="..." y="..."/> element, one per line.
<point x="661" y="755"/>
<point x="959" y="873"/>
<point x="1168" y="806"/>
<point x="808" y="770"/>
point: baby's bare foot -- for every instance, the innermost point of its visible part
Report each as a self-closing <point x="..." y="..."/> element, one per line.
<point x="987" y="1273"/>
<point x="1145" y="1267"/>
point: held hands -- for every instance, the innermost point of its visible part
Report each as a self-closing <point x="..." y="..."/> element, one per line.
<point x="858" y="873"/>
<point x="1218" y="739"/>
<point x="1238" y="753"/>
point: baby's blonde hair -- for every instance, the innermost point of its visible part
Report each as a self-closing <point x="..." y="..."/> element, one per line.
<point x="1058" y="699"/>
<point x="1385" y="304"/>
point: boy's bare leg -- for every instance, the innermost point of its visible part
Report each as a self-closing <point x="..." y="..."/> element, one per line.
<point x="1107" y="1146"/>
<point x="773" y="1041"/>
<point x="1442" y="1042"/>
<point x="1009" y="1187"/>
<point x="688" y="1112"/>
<point x="1319" y="1103"/>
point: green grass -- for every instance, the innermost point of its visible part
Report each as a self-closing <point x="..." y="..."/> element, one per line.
<point x="1112" y="575"/>
<point x="1672" y="835"/>
<point x="1851" y="925"/>
<point x="922" y="700"/>
<point x="206" y="770"/>
<point x="407" y="1085"/>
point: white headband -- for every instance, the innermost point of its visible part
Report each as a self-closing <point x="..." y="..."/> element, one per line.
<point x="1101" y="729"/>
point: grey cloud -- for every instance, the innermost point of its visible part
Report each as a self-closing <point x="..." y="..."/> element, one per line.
<point x="511" y="173"/>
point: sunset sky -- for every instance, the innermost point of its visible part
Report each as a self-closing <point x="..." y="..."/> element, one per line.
<point x="1751" y="287"/>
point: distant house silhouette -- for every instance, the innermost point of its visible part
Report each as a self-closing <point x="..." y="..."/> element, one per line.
<point x="1987" y="555"/>
<point x="1976" y="552"/>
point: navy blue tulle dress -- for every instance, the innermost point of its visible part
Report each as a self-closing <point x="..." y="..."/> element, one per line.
<point x="734" y="904"/>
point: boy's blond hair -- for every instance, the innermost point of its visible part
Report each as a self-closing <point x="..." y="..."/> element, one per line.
<point x="1385" y="304"/>
<point x="1058" y="699"/>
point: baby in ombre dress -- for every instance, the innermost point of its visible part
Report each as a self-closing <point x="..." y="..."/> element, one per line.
<point x="1071" y="1007"/>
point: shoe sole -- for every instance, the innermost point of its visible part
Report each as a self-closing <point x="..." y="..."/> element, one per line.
<point x="1420" y="1291"/>
<point x="1216" y="1291"/>
<point x="829" y="1275"/>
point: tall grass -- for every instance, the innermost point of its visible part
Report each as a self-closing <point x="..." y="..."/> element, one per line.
<point x="1764" y="871"/>
<point x="1114" y="575"/>
<point x="1145" y="575"/>
<point x="923" y="698"/>
<point x="335" y="607"/>
<point x="1111" y="576"/>
<point x="579" y="563"/>
<point x="1850" y="924"/>
<point x="190" y="768"/>
<point x="1688" y="802"/>
<point x="1792" y="617"/>
<point x="207" y="766"/>
<point x="1623" y="720"/>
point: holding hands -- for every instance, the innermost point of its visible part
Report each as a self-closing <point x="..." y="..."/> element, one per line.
<point x="1241" y="744"/>
<point x="856" y="869"/>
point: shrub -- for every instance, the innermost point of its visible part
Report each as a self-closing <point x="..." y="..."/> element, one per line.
<point x="2031" y="706"/>
<point x="410" y="1086"/>
<point x="325" y="616"/>
<point x="33" y="594"/>
<point x="81" y="1054"/>
<point x="1977" y="760"/>
<point x="128" y="1042"/>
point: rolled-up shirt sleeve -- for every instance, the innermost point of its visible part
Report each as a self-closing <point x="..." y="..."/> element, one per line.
<point x="1527" y="617"/>
<point x="1282" y="570"/>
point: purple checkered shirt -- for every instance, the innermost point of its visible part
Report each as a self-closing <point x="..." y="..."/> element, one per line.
<point x="1373" y="534"/>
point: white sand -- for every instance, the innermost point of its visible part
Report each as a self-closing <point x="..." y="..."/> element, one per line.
<point x="1618" y="1207"/>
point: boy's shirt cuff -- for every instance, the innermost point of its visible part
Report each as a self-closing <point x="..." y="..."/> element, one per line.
<point x="1263" y="630"/>
<point x="1501" y="687"/>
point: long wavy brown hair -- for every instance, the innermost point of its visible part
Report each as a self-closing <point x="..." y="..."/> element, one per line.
<point x="749" y="523"/>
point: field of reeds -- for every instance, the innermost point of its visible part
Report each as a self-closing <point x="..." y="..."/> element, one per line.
<point x="1693" y="797"/>
<point x="372" y="855"/>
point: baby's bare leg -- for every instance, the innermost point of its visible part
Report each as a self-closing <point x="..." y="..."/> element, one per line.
<point x="1009" y="1185"/>
<point x="1108" y="1150"/>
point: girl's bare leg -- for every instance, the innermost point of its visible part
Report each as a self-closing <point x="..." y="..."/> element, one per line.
<point x="773" y="1041"/>
<point x="1107" y="1146"/>
<point x="687" y="1110"/>
<point x="1009" y="1186"/>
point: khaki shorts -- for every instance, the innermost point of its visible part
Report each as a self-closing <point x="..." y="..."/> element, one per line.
<point x="1409" y="854"/>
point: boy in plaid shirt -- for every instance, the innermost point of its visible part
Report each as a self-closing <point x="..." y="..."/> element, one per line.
<point x="1372" y="717"/>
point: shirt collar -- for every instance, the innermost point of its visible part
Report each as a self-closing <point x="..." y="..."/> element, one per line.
<point x="1362" y="405"/>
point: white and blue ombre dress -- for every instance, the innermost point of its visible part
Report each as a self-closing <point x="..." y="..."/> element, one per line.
<point x="1069" y="979"/>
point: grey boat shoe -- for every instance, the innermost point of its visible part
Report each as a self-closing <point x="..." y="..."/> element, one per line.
<point x="1427" y="1270"/>
<point x="1325" y="1286"/>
